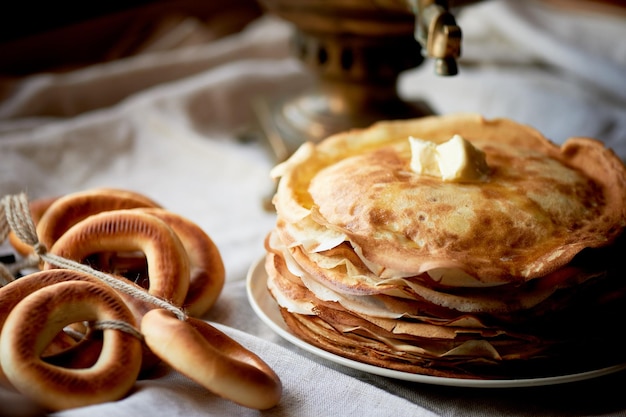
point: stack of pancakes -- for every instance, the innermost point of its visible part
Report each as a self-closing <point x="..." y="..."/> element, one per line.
<point x="514" y="275"/>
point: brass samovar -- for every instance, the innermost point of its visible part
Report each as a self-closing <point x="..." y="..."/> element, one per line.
<point x="357" y="49"/>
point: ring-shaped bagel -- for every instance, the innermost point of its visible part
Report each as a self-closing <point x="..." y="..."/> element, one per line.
<point x="47" y="311"/>
<point x="212" y="359"/>
<point x="71" y="208"/>
<point x="207" y="268"/>
<point x="128" y="230"/>
<point x="12" y="293"/>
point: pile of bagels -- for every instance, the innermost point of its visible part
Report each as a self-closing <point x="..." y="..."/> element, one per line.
<point x="69" y="338"/>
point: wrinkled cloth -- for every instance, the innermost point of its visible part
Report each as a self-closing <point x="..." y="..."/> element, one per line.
<point x="175" y="126"/>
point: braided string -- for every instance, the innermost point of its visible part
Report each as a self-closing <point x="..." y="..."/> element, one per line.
<point x="18" y="217"/>
<point x="116" y="325"/>
<point x="4" y="224"/>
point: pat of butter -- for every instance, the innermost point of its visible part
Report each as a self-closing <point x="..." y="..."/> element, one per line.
<point x="454" y="160"/>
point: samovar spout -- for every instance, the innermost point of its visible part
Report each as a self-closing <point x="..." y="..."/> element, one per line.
<point x="436" y="30"/>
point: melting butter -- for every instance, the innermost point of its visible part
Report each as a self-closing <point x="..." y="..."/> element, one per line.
<point x="454" y="160"/>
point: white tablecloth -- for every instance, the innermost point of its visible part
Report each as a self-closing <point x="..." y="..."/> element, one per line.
<point x="169" y="124"/>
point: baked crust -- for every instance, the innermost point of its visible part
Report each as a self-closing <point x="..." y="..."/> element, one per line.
<point x="511" y="268"/>
<point x="539" y="207"/>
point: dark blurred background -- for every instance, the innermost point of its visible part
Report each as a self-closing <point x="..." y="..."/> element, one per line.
<point x="58" y="36"/>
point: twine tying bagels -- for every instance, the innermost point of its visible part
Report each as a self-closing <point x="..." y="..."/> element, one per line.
<point x="255" y="384"/>
<point x="14" y="218"/>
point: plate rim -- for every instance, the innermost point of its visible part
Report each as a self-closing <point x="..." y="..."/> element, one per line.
<point x="257" y="294"/>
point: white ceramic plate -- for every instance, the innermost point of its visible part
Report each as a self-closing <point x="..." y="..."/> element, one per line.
<point x="267" y="309"/>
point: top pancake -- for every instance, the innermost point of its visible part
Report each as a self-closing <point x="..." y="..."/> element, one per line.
<point x="540" y="205"/>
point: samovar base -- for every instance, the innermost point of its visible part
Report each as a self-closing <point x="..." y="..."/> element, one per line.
<point x="289" y="121"/>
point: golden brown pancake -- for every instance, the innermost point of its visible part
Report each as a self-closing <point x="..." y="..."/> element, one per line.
<point x="469" y="346"/>
<point x="460" y="278"/>
<point x="540" y="206"/>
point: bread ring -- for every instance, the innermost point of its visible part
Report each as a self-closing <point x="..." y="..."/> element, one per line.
<point x="212" y="359"/>
<point x="72" y="208"/>
<point x="47" y="311"/>
<point x="12" y="293"/>
<point x="128" y="230"/>
<point x="37" y="208"/>
<point x="207" y="268"/>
